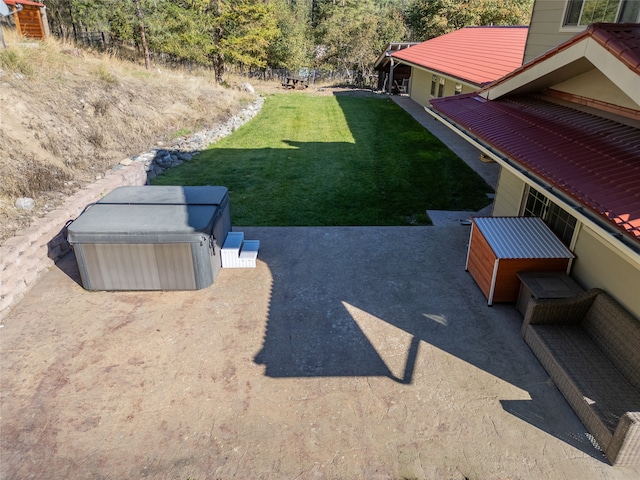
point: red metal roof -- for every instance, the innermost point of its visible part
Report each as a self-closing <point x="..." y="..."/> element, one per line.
<point x="622" y="40"/>
<point x="592" y="159"/>
<point x="478" y="55"/>
<point x="23" y="2"/>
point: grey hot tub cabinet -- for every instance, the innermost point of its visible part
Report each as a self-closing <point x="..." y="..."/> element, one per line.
<point x="152" y="238"/>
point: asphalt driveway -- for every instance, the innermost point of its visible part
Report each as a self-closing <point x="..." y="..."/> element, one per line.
<point x="348" y="353"/>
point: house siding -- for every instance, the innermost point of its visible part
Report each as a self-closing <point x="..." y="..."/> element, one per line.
<point x="545" y="30"/>
<point x="420" y="86"/>
<point x="599" y="265"/>
<point x="595" y="85"/>
<point x="509" y="194"/>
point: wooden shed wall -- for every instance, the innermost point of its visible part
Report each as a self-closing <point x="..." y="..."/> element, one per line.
<point x="481" y="265"/>
<point x="29" y="22"/>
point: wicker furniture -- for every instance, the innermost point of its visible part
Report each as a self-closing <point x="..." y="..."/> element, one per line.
<point x="590" y="346"/>
<point x="545" y="285"/>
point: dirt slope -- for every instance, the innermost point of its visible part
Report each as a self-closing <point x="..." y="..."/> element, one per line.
<point x="68" y="115"/>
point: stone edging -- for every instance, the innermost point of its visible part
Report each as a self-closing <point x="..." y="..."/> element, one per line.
<point x="26" y="256"/>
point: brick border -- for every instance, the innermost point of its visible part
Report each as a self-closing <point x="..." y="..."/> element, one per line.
<point x="25" y="257"/>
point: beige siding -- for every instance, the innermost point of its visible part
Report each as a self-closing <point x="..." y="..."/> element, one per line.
<point x="545" y="31"/>
<point x="599" y="265"/>
<point x="595" y="85"/>
<point x="509" y="193"/>
<point x="420" y="86"/>
<point x="466" y="88"/>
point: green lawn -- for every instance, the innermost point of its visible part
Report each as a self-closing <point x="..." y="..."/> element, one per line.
<point x="333" y="160"/>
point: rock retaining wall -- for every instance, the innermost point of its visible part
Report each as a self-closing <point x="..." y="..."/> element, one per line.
<point x="26" y="256"/>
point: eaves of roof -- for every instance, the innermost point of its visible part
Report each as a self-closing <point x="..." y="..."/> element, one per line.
<point x="591" y="159"/>
<point x="621" y="40"/>
<point x="383" y="58"/>
<point x="445" y="74"/>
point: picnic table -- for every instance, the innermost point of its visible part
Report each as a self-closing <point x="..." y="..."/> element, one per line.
<point x="293" y="82"/>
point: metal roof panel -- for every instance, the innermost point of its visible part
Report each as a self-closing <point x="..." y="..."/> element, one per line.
<point x="521" y="237"/>
<point x="593" y="159"/>
<point x="476" y="54"/>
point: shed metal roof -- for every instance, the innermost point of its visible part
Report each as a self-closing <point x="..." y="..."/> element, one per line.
<point x="478" y="55"/>
<point x="521" y="237"/>
<point x="23" y="2"/>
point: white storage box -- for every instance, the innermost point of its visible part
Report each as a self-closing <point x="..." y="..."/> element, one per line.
<point x="238" y="252"/>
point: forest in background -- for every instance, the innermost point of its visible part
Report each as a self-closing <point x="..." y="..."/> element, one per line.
<point x="343" y="36"/>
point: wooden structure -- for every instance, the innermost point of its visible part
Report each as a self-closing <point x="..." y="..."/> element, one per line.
<point x="31" y="20"/>
<point x="392" y="75"/>
<point x="294" y="82"/>
<point x="500" y="247"/>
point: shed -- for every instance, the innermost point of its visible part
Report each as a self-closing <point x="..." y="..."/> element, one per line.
<point x="31" y="20"/>
<point x="500" y="247"/>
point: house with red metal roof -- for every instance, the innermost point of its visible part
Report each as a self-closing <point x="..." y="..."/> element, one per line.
<point x="565" y="129"/>
<point x="461" y="61"/>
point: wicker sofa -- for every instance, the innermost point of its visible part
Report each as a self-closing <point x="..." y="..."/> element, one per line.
<point x="590" y="346"/>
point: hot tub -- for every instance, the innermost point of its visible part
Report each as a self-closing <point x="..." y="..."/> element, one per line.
<point x="152" y="238"/>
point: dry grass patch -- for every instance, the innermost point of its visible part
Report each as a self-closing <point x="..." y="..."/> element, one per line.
<point x="68" y="115"/>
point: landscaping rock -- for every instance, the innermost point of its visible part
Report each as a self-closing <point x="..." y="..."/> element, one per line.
<point x="184" y="149"/>
<point x="25" y="203"/>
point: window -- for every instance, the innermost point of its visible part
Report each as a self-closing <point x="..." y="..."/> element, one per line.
<point x="458" y="89"/>
<point x="558" y="220"/>
<point x="585" y="12"/>
<point x="441" y="87"/>
<point x="434" y="80"/>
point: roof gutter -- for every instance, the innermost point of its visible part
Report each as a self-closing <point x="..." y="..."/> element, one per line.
<point x="605" y="230"/>
<point x="433" y="70"/>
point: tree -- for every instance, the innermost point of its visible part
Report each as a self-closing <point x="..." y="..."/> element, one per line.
<point x="353" y="32"/>
<point x="249" y="33"/>
<point x="244" y="31"/>
<point x="145" y="48"/>
<point x="293" y="45"/>
<point x="431" y="18"/>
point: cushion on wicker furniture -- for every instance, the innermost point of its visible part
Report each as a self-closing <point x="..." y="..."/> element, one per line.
<point x="589" y="346"/>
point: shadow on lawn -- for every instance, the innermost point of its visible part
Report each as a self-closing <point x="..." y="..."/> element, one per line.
<point x="380" y="168"/>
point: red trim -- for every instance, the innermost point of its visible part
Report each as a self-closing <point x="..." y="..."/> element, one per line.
<point x="590" y="102"/>
<point x="23" y="2"/>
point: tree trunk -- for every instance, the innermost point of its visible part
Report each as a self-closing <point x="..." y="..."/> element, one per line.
<point x="218" y="67"/>
<point x="143" y="37"/>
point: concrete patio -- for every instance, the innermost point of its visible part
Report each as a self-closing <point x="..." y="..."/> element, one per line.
<point x="348" y="353"/>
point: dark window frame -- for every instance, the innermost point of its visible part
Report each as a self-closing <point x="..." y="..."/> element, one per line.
<point x="561" y="222"/>
<point x="580" y="13"/>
